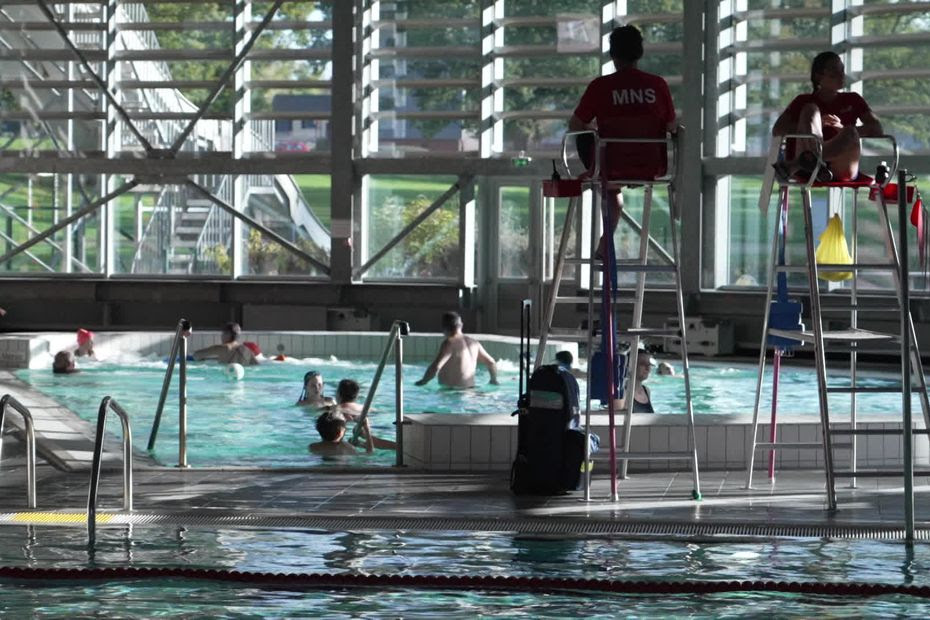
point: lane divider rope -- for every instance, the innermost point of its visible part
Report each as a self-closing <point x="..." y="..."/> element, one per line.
<point x="463" y="582"/>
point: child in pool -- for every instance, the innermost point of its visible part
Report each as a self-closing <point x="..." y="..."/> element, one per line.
<point x="331" y="426"/>
<point x="312" y="394"/>
<point x="346" y="393"/>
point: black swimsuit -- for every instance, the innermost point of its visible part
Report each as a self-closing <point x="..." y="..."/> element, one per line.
<point x="645" y="407"/>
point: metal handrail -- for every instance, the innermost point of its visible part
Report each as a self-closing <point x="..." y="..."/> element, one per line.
<point x="30" y="443"/>
<point x="600" y="143"/>
<point x="105" y="405"/>
<point x="178" y="352"/>
<point x="399" y="329"/>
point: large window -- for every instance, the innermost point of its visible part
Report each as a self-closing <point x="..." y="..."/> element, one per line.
<point x="764" y="54"/>
<point x="422" y="86"/>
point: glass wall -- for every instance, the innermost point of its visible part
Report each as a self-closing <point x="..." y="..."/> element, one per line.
<point x="433" y="83"/>
<point x="764" y="51"/>
<point x="430" y="251"/>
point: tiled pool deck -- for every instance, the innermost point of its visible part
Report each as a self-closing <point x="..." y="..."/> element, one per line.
<point x="796" y="499"/>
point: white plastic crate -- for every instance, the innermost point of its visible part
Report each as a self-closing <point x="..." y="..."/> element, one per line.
<point x="704" y="337"/>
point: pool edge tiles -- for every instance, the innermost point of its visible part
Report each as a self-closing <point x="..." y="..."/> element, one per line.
<point x="62" y="438"/>
<point x="448" y="443"/>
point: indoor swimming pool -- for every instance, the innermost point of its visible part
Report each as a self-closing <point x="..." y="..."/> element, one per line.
<point x="448" y="553"/>
<point x="255" y="422"/>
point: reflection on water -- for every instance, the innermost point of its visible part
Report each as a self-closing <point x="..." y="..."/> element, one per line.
<point x="447" y="553"/>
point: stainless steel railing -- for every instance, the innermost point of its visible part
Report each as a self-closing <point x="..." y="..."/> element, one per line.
<point x="30" y="443"/>
<point x="399" y="329"/>
<point x="178" y="353"/>
<point x="105" y="405"/>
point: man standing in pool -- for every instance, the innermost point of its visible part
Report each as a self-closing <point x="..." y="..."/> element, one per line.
<point x="458" y="357"/>
<point x="230" y="351"/>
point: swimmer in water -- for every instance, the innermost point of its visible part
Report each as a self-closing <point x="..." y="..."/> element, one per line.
<point x="85" y="346"/>
<point x="346" y="393"/>
<point x="312" y="394"/>
<point x="331" y="425"/>
<point x="458" y="357"/>
<point x="666" y="369"/>
<point x="230" y="350"/>
<point x="64" y="363"/>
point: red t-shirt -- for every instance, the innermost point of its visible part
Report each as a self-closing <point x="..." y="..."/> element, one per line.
<point x="630" y="104"/>
<point x="628" y="92"/>
<point x="849" y="107"/>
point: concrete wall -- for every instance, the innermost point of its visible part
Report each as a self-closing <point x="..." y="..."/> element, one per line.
<point x="100" y="304"/>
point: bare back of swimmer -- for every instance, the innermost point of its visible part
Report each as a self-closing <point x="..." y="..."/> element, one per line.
<point x="458" y="357"/>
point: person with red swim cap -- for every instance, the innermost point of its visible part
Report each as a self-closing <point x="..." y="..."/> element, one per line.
<point x="230" y="350"/>
<point x="85" y="340"/>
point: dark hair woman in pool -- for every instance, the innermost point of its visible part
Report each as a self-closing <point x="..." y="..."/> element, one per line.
<point x="312" y="394"/>
<point x="832" y="116"/>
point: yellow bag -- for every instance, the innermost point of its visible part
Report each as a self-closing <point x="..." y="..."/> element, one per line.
<point x="832" y="250"/>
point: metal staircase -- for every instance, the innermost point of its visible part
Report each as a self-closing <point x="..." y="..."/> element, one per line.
<point x="173" y="238"/>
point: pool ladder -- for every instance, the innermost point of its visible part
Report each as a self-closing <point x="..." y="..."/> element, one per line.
<point x="178" y="353"/>
<point x="395" y="341"/>
<point x="105" y="406"/>
<point x="29" y="428"/>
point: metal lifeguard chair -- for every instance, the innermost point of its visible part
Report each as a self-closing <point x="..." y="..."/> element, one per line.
<point x="851" y="339"/>
<point x="636" y="154"/>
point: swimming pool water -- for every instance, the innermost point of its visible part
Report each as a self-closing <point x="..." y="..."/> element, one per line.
<point x="255" y="421"/>
<point x="448" y="553"/>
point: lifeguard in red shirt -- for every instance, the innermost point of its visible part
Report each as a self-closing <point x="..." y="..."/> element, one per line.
<point x="831" y="115"/>
<point x="628" y="103"/>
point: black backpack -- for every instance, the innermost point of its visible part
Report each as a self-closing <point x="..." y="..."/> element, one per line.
<point x="549" y="452"/>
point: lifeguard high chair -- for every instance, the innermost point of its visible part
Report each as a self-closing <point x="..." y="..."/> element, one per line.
<point x="634" y="154"/>
<point x="783" y="329"/>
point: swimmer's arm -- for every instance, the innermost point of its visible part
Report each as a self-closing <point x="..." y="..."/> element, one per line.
<point x="488" y="361"/>
<point x="871" y="126"/>
<point x="441" y="358"/>
<point x="208" y="353"/>
<point x="364" y="432"/>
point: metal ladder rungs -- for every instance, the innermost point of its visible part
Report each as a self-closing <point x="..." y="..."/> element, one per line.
<point x="625" y="265"/>
<point x="638" y="267"/>
<point x="580" y="299"/>
<point x="831" y="267"/>
<point x="653" y="456"/>
<point x="876" y="431"/>
<point x="846" y="389"/>
<point x="834" y="336"/>
<point x="879" y="473"/>
<point x="651" y="331"/>
<point x="570" y="337"/>
<point x="859" y="308"/>
<point x="795" y="445"/>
